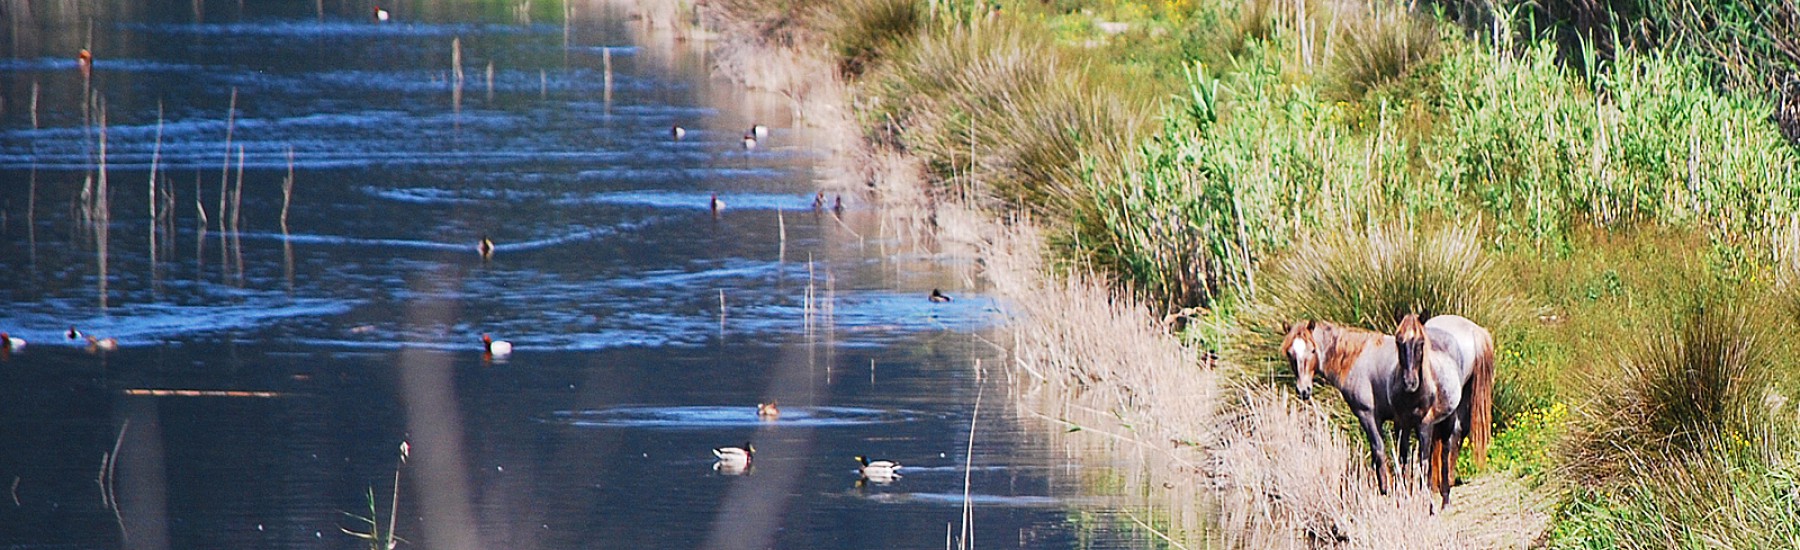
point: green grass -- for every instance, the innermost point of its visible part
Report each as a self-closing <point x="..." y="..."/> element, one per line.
<point x="1581" y="188"/>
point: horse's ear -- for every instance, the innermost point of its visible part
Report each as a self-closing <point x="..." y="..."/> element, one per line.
<point x="1312" y="324"/>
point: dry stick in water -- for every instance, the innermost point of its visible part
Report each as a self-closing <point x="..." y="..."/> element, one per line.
<point x="102" y="210"/>
<point x="155" y="159"/>
<point x="287" y="191"/>
<point x="968" y="515"/>
<point x="237" y="217"/>
<point x="225" y="170"/>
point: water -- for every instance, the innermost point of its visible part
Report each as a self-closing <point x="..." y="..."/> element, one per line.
<point x="266" y="378"/>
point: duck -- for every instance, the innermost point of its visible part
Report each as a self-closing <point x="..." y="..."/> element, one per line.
<point x="381" y="15"/>
<point x="72" y="335"/>
<point x="716" y="204"/>
<point x="485" y="247"/>
<point x="767" y="411"/>
<point x="749" y="141"/>
<point x="495" y="348"/>
<point x="677" y="132"/>
<point x="102" y="344"/>
<point x="735" y="455"/>
<point x="8" y="343"/>
<point x="938" y="297"/>
<point x="878" y="470"/>
<point x="759" y="131"/>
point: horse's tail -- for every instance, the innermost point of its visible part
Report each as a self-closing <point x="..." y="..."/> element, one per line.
<point x="1481" y="401"/>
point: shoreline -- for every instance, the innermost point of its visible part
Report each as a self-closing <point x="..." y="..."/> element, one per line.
<point x="1232" y="463"/>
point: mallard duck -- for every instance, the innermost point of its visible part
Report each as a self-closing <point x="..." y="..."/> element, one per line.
<point x="759" y="131"/>
<point x="9" y="343"/>
<point x="731" y="468"/>
<point x="735" y="455"/>
<point x="102" y="344"/>
<point x="938" y="296"/>
<point x="485" y="247"/>
<point x="677" y="132"/>
<point x="767" y="411"/>
<point x="495" y="348"/>
<point x="878" y="470"/>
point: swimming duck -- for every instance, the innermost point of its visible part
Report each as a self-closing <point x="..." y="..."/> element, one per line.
<point x="878" y="470"/>
<point x="716" y="204"/>
<point x="759" y="131"/>
<point x="677" y="132"/>
<point x="495" y="348"/>
<point x="9" y="344"/>
<point x="485" y="247"/>
<point x="938" y="297"/>
<point x="381" y="15"/>
<point x="749" y="142"/>
<point x="731" y="468"/>
<point x="767" y="411"/>
<point x="735" y="455"/>
<point x="102" y="344"/>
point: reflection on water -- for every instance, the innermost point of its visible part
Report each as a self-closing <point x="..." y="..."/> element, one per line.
<point x="281" y="334"/>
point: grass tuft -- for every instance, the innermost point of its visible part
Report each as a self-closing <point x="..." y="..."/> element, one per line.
<point x="1380" y="45"/>
<point x="868" y="31"/>
<point x="1371" y="279"/>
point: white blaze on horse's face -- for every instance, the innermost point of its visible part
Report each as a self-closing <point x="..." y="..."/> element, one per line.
<point x="1301" y="355"/>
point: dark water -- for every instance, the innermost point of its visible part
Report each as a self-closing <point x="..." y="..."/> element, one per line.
<point x="646" y="327"/>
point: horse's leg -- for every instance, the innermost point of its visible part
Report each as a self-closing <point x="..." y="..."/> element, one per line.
<point x="1457" y="434"/>
<point x="1372" y="428"/>
<point x="1447" y="441"/>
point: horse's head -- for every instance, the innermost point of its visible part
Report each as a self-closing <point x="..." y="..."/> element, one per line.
<point x="1409" y="337"/>
<point x="1303" y="354"/>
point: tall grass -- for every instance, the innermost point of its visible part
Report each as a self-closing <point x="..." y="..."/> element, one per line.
<point x="1690" y="441"/>
<point x="1004" y="116"/>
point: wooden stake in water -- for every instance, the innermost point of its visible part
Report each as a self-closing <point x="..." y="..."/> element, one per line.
<point x="457" y="70"/>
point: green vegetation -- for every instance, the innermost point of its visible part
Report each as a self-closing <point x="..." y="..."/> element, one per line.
<point x="1616" y="202"/>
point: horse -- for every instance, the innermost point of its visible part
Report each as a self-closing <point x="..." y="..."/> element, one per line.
<point x="1364" y="366"/>
<point x="1452" y="360"/>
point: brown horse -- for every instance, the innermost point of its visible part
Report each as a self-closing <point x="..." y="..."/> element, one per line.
<point x="1364" y="366"/>
<point x="1452" y="360"/>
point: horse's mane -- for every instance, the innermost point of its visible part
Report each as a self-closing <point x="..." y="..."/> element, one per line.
<point x="1340" y="345"/>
